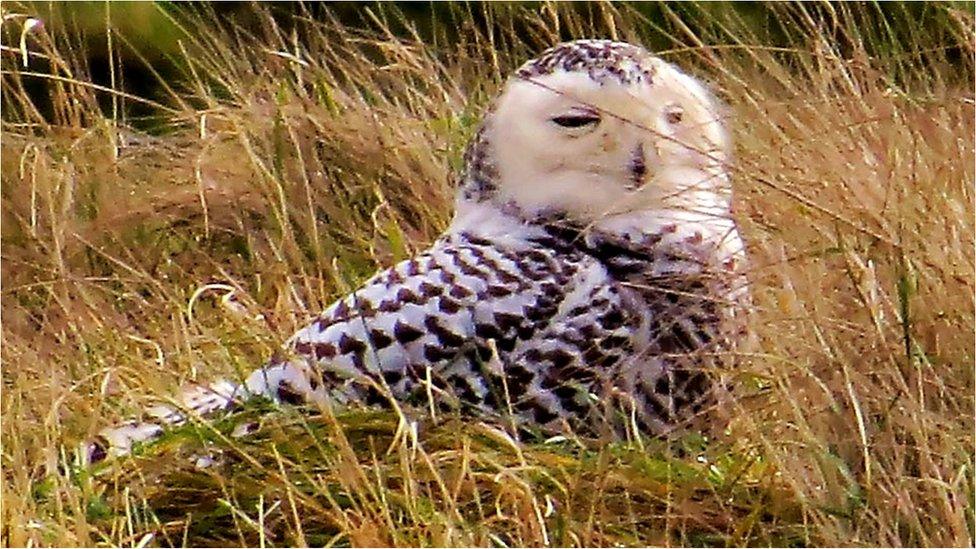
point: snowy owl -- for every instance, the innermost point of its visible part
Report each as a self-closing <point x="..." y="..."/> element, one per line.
<point x="588" y="281"/>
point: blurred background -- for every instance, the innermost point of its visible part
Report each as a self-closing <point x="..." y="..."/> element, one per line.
<point x="136" y="46"/>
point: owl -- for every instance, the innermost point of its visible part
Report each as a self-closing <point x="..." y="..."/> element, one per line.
<point x="589" y="281"/>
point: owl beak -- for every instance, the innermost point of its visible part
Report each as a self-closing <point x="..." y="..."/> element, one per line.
<point x="637" y="167"/>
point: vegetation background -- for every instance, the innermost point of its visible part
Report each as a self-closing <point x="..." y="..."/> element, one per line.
<point x="185" y="185"/>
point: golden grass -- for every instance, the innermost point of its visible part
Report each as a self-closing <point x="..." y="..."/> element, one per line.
<point x="291" y="177"/>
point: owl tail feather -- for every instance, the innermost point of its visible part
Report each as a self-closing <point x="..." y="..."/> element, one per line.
<point x="286" y="382"/>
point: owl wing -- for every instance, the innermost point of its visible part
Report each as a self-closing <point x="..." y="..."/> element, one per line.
<point x="428" y="320"/>
<point x="564" y="376"/>
<point x="419" y="329"/>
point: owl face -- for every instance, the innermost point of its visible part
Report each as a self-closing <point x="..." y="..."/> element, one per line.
<point x="612" y="133"/>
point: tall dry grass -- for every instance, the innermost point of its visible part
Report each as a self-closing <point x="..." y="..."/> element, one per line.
<point x="297" y="159"/>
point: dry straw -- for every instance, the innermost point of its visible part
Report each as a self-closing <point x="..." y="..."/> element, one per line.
<point x="301" y="153"/>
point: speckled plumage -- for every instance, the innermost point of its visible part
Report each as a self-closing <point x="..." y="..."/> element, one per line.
<point x="599" y="59"/>
<point x="565" y="319"/>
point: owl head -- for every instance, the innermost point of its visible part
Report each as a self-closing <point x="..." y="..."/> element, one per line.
<point x="592" y="129"/>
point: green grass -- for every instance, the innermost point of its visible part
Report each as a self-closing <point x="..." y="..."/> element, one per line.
<point x="291" y="180"/>
<point x="463" y="484"/>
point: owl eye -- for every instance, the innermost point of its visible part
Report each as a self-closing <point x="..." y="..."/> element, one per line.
<point x="674" y="115"/>
<point x="576" y="120"/>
